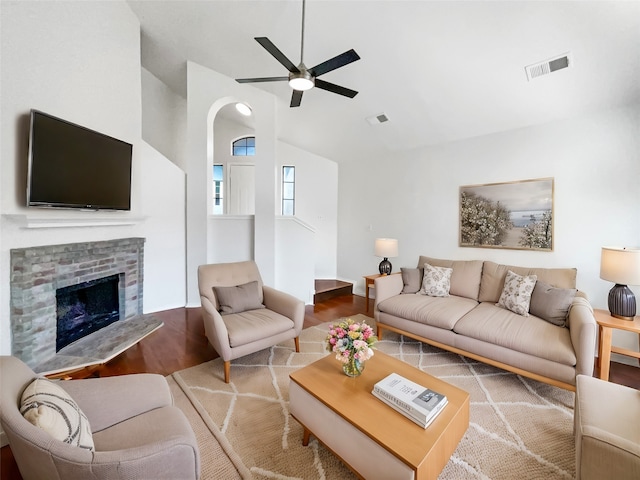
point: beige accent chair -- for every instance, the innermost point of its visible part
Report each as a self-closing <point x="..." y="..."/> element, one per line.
<point x="607" y="430"/>
<point x="137" y="432"/>
<point x="235" y="335"/>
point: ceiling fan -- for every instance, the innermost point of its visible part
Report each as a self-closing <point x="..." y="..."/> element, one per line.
<point x="300" y="77"/>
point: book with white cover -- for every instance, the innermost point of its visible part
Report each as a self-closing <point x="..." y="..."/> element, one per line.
<point x="419" y="403"/>
<point x="416" y="420"/>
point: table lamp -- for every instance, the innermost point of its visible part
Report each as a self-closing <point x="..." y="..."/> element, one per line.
<point x="621" y="265"/>
<point x="385" y="248"/>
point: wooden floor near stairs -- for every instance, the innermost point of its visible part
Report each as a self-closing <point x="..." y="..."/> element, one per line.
<point x="328" y="289"/>
<point x="181" y="343"/>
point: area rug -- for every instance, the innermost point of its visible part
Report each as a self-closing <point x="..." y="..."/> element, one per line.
<point x="519" y="428"/>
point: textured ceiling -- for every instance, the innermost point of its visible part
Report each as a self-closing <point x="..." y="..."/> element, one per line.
<point x="441" y="71"/>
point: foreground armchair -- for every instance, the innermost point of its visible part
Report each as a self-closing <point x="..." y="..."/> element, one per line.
<point x="607" y="430"/>
<point x="243" y="316"/>
<point x="122" y="427"/>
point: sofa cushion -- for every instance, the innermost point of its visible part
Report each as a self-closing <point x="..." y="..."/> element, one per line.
<point x="412" y="279"/>
<point x="516" y="293"/>
<point x="47" y="406"/>
<point x="551" y="303"/>
<point x="493" y="275"/>
<point x="530" y="335"/>
<point x="239" y="298"/>
<point x="435" y="311"/>
<point x="465" y="278"/>
<point x="436" y="281"/>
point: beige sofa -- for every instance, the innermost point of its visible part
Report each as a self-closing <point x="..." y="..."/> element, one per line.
<point x="469" y="322"/>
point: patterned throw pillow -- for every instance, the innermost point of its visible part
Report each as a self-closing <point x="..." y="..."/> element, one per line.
<point x="436" y="281"/>
<point x="49" y="407"/>
<point x="516" y="294"/>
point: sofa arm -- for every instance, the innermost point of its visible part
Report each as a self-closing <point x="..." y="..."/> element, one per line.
<point x="284" y="304"/>
<point x="386" y="287"/>
<point x="583" y="330"/>
<point x="215" y="329"/>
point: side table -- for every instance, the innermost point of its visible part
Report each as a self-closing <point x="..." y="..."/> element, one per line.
<point x="606" y="324"/>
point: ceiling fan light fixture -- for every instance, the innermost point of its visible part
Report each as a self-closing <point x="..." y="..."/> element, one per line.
<point x="244" y="109"/>
<point x="301" y="81"/>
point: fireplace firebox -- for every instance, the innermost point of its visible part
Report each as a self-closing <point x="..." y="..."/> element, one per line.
<point x="86" y="308"/>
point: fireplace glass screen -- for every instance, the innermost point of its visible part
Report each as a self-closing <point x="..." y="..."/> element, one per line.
<point x="86" y="308"/>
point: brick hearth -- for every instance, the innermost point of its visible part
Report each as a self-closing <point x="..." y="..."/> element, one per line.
<point x="37" y="272"/>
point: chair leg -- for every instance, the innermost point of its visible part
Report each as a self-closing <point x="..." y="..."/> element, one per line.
<point x="227" y="371"/>
<point x="297" y="342"/>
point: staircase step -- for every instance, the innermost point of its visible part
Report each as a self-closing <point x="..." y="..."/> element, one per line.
<point x="327" y="289"/>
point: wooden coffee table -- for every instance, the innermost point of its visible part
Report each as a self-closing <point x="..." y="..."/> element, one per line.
<point x="371" y="438"/>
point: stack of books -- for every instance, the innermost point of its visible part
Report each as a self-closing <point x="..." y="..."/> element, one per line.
<point x="420" y="404"/>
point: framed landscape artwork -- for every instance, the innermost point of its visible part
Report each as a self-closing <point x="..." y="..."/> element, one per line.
<point x="515" y="215"/>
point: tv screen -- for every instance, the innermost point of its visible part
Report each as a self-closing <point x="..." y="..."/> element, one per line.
<point x="73" y="167"/>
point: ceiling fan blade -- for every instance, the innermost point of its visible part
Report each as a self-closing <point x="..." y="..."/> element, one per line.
<point x="332" y="87"/>
<point x="261" y="79"/>
<point x="335" y="62"/>
<point x="277" y="54"/>
<point x="296" y="98"/>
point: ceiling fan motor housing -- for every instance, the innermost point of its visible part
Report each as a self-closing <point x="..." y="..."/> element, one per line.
<point x="302" y="80"/>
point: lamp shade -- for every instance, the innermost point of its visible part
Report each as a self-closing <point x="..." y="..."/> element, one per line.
<point x="620" y="265"/>
<point x="386" y="247"/>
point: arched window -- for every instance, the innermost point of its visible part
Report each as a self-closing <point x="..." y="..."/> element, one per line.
<point x="244" y="147"/>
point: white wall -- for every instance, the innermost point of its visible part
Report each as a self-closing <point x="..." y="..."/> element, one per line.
<point x="414" y="197"/>
<point x="207" y="93"/>
<point x="164" y="119"/>
<point x="81" y="61"/>
<point x="316" y="182"/>
<point x="163" y="226"/>
<point x="295" y="258"/>
<point x="316" y="202"/>
<point x="316" y="194"/>
<point x="230" y="238"/>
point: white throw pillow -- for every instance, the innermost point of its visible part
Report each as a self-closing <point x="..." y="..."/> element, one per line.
<point x="436" y="281"/>
<point x="516" y="294"/>
<point x="49" y="407"/>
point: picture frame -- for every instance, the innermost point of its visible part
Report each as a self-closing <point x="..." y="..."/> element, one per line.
<point x="514" y="215"/>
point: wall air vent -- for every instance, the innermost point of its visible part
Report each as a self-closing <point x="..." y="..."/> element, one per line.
<point x="377" y="119"/>
<point x="548" y="66"/>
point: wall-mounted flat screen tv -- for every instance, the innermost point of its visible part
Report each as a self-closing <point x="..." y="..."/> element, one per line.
<point x="71" y="166"/>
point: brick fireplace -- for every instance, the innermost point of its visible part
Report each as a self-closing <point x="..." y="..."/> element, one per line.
<point x="37" y="272"/>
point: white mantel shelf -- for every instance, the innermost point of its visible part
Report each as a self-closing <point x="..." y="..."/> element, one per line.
<point x="33" y="221"/>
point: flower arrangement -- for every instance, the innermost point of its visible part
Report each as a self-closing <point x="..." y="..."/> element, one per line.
<point x="352" y="343"/>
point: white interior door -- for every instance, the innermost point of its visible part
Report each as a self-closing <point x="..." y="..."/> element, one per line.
<point x="242" y="194"/>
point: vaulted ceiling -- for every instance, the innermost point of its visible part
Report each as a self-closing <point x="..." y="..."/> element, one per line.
<point x="440" y="70"/>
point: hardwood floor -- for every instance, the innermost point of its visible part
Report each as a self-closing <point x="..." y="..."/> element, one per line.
<point x="181" y="343"/>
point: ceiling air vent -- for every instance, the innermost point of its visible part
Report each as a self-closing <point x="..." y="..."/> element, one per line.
<point x="548" y="66"/>
<point x="376" y="119"/>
